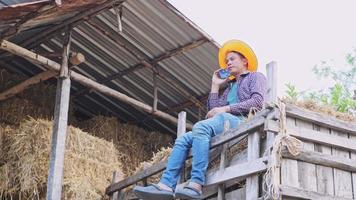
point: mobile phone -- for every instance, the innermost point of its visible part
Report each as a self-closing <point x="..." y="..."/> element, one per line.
<point x="223" y="73"/>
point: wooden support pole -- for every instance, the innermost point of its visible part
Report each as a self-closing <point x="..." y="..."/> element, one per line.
<point x="181" y="129"/>
<point x="271" y="95"/>
<point x="221" y="187"/>
<point x="17" y="50"/>
<point x="253" y="152"/>
<point x="55" y="174"/>
<point x="155" y="92"/>
<point x="116" y="178"/>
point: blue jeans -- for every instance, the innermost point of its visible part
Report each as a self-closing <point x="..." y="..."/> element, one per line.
<point x="199" y="140"/>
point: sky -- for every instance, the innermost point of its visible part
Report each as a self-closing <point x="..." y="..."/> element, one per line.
<point x="297" y="34"/>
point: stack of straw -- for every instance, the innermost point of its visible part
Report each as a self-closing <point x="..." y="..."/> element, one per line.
<point x="89" y="162"/>
<point x="37" y="101"/>
<point x="134" y="144"/>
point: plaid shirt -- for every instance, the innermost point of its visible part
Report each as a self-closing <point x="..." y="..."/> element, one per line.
<point x="251" y="92"/>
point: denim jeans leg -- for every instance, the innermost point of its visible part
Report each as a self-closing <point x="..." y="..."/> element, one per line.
<point x="203" y="131"/>
<point x="176" y="159"/>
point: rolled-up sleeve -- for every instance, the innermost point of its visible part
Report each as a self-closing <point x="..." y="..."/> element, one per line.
<point x="257" y="85"/>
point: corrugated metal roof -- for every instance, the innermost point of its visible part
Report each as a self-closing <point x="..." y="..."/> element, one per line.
<point x="151" y="29"/>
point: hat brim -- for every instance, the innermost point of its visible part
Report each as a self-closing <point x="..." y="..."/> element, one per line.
<point x="241" y="47"/>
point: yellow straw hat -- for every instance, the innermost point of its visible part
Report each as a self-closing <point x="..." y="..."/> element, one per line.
<point x="241" y="47"/>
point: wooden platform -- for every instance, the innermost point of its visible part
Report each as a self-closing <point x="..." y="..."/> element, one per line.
<point x="325" y="168"/>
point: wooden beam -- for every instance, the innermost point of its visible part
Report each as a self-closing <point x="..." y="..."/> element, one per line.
<point x="60" y="123"/>
<point x="315" y="136"/>
<point x="305" y="194"/>
<point x="246" y="127"/>
<point x="17" y="50"/>
<point x="323" y="159"/>
<point x="239" y="171"/>
<point x="27" y="83"/>
<point x="16" y="28"/>
<point x="75" y="60"/>
<point x="321" y="119"/>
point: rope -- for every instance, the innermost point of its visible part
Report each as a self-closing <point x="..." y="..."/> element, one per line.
<point x="283" y="139"/>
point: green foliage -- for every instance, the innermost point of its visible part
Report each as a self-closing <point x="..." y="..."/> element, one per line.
<point x="291" y="92"/>
<point x="340" y="94"/>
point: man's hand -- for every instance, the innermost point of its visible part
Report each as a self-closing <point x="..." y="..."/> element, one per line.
<point x="216" y="82"/>
<point x="217" y="110"/>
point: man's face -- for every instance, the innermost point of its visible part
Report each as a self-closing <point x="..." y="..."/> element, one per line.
<point x="235" y="64"/>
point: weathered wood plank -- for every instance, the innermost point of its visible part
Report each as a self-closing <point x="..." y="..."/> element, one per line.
<point x="307" y="171"/>
<point x="239" y="171"/>
<point x="314" y="136"/>
<point x="324" y="174"/>
<point x="321" y="119"/>
<point x="305" y="194"/>
<point x="116" y="177"/>
<point x="289" y="168"/>
<point x="253" y="153"/>
<point x="238" y="194"/>
<point x="223" y="162"/>
<point x="343" y="180"/>
<point x="334" y="161"/>
<point x="59" y="132"/>
<point x="353" y="156"/>
<point x="231" y="175"/>
<point x="181" y="129"/>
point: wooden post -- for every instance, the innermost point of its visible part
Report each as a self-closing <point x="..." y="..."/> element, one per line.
<point x="181" y="129"/>
<point x="55" y="175"/>
<point x="221" y="187"/>
<point x="115" y="178"/>
<point x="253" y="153"/>
<point x="271" y="94"/>
<point x="155" y="92"/>
<point x="271" y="98"/>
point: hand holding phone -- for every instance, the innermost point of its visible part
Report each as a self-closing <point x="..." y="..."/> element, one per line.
<point x="223" y="73"/>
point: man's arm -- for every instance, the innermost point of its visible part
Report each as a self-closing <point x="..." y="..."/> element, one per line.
<point x="258" y="92"/>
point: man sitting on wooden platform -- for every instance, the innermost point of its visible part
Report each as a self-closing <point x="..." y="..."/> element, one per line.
<point x="246" y="89"/>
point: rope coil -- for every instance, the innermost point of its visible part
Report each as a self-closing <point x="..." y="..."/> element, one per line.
<point x="283" y="139"/>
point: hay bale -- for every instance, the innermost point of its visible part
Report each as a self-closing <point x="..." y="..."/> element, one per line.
<point x="37" y="101"/>
<point x="88" y="165"/>
<point x="134" y="144"/>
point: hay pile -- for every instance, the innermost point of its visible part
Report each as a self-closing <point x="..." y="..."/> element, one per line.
<point x="324" y="109"/>
<point x="134" y="144"/>
<point x="89" y="162"/>
<point x="156" y="158"/>
<point x="37" y="101"/>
